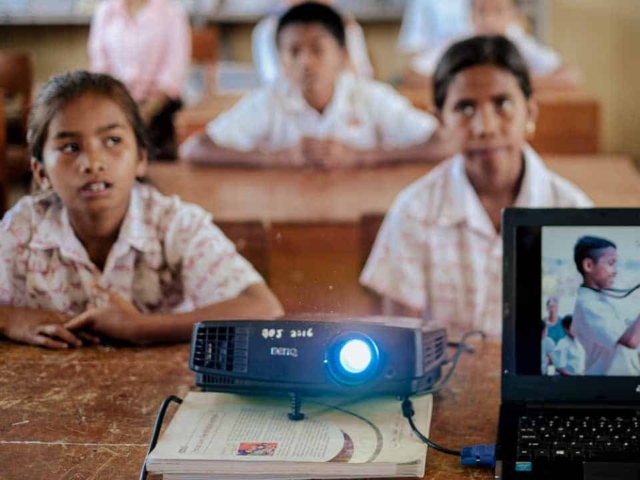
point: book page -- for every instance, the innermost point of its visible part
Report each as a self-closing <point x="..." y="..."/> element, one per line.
<point x="214" y="426"/>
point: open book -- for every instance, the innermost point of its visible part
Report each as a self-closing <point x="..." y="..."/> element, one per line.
<point x="225" y="436"/>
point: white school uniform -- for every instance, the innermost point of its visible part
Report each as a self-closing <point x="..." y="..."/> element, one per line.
<point x="438" y="252"/>
<point x="598" y="327"/>
<point x="429" y="23"/>
<point x="363" y="113"/>
<point x="548" y="345"/>
<point x="569" y="355"/>
<point x="267" y="60"/>
<point x="540" y="59"/>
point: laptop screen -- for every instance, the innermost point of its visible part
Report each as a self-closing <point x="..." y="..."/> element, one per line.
<point x="571" y="300"/>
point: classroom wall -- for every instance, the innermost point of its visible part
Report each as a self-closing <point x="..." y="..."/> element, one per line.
<point x="600" y="36"/>
<point x="603" y="38"/>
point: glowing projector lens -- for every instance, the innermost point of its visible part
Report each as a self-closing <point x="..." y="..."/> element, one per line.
<point x="355" y="356"/>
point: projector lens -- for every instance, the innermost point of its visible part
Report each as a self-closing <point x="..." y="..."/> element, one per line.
<point x="352" y="358"/>
<point x="355" y="356"/>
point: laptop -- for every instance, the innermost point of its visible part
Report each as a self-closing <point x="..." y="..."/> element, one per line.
<point x="570" y="406"/>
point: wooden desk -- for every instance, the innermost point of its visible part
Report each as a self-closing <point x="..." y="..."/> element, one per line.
<point x="88" y="413"/>
<point x="314" y="240"/>
<point x="345" y="195"/>
<point x="568" y="121"/>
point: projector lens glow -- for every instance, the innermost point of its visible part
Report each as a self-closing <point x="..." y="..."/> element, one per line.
<point x="355" y="356"/>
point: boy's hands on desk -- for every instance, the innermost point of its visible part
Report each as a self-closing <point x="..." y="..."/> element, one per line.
<point x="328" y="153"/>
<point x="118" y="320"/>
<point x="41" y="328"/>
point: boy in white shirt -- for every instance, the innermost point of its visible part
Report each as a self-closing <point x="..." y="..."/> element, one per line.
<point x="265" y="49"/>
<point x="501" y="17"/>
<point x="609" y="343"/>
<point x="318" y="114"/>
<point x="568" y="357"/>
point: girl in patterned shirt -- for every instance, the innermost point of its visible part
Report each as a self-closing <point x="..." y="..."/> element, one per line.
<point x="98" y="254"/>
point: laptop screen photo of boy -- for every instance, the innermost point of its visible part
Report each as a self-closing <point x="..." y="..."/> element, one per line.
<point x="588" y="274"/>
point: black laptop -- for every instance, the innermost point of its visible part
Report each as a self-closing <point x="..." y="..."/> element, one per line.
<point x="570" y="367"/>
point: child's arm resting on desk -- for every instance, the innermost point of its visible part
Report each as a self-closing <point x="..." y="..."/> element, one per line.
<point x="122" y="321"/>
<point x="200" y="149"/>
<point x="36" y="327"/>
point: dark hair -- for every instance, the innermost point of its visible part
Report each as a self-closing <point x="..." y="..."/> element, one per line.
<point x="590" y="247"/>
<point x="552" y="299"/>
<point x="313" y="12"/>
<point x="62" y="89"/>
<point x="567" y="321"/>
<point x="492" y="50"/>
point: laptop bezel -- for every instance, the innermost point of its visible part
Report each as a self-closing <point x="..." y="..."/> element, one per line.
<point x="540" y="388"/>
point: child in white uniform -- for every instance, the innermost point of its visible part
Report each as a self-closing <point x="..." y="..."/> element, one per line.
<point x="500" y="17"/>
<point x="319" y="115"/>
<point x="568" y="357"/>
<point x="609" y="343"/>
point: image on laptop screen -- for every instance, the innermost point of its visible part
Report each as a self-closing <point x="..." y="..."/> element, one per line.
<point x="590" y="300"/>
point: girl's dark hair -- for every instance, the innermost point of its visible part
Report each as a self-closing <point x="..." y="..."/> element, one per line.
<point x="64" y="88"/>
<point x="476" y="51"/>
<point x="313" y="12"/>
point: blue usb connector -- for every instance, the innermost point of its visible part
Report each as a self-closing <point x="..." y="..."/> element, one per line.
<point x="478" y="456"/>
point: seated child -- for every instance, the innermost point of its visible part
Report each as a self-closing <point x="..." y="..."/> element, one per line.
<point x="439" y="251"/>
<point x="609" y="343"/>
<point x="99" y="254"/>
<point x="500" y="17"/>
<point x="568" y="357"/>
<point x="319" y="115"/>
<point x="265" y="50"/>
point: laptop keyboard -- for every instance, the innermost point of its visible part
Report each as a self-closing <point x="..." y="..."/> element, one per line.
<point x="578" y="438"/>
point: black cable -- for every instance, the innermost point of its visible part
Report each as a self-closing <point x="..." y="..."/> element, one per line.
<point x="407" y="412"/>
<point x="407" y="406"/>
<point x="618" y="293"/>
<point x="156" y="430"/>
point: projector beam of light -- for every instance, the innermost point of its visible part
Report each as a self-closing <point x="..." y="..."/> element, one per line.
<point x="355" y="356"/>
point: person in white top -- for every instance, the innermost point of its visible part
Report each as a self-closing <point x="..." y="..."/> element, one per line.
<point x="265" y="50"/>
<point x="609" y="342"/>
<point x="501" y="17"/>
<point x="428" y="23"/>
<point x="439" y="252"/>
<point x="547" y="347"/>
<point x="318" y="115"/>
<point x="569" y="356"/>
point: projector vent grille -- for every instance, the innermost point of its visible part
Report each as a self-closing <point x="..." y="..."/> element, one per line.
<point x="222" y="348"/>
<point x="218" y="380"/>
<point x="433" y="350"/>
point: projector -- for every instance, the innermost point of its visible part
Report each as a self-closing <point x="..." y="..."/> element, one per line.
<point x="324" y="356"/>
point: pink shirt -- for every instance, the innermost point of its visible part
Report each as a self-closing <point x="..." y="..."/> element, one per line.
<point x="150" y="52"/>
<point x="169" y="257"/>
<point x="438" y="252"/>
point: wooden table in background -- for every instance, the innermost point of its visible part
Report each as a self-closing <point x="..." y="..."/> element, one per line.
<point x="312" y="216"/>
<point x="88" y="413"/>
<point x="308" y="195"/>
<point x="568" y="122"/>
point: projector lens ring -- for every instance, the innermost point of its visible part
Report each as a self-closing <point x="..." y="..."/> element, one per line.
<point x="352" y="358"/>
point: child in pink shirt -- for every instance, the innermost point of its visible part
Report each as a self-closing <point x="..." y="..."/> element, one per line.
<point x="146" y="44"/>
<point x="99" y="254"/>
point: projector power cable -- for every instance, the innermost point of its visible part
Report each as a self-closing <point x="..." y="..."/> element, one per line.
<point x="156" y="430"/>
<point x="474" y="455"/>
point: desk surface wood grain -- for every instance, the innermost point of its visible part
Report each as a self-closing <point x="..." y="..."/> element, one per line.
<point x="88" y="413"/>
<point x="308" y="195"/>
